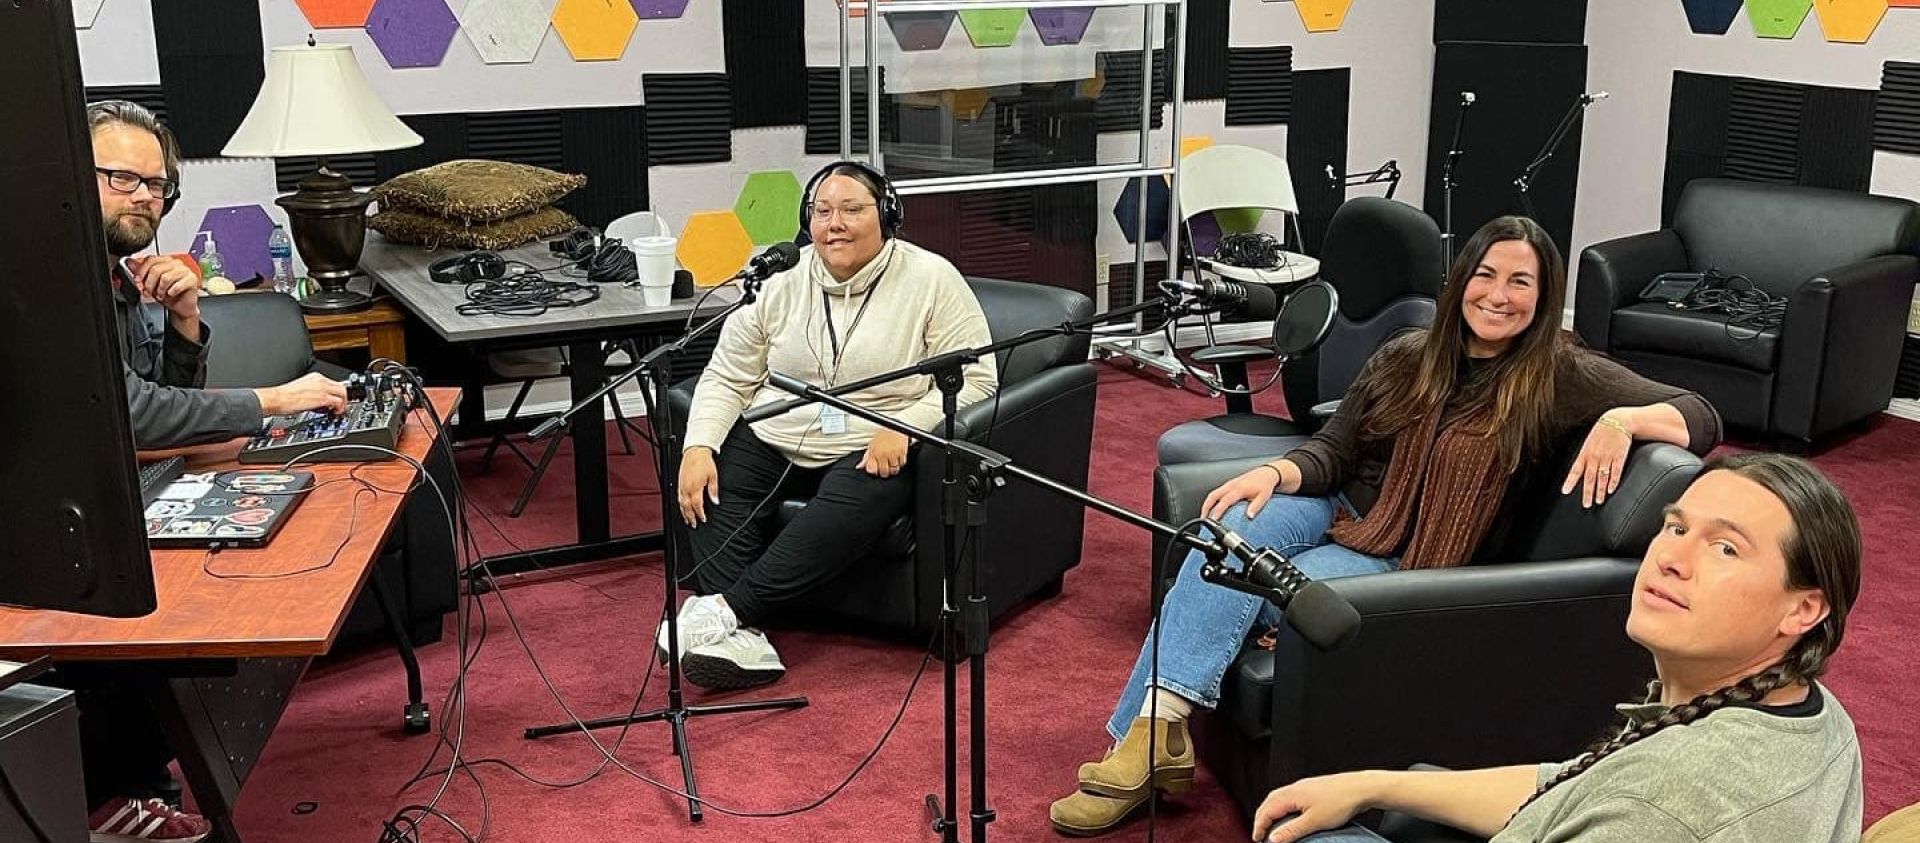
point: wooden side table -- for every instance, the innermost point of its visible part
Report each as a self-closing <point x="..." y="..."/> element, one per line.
<point x="381" y="329"/>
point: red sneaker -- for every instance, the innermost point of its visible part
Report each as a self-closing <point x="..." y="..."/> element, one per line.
<point x="129" y="820"/>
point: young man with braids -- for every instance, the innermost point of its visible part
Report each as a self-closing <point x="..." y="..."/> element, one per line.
<point x="1741" y="600"/>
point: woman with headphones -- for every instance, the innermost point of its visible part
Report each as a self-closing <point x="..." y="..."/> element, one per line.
<point x="860" y="302"/>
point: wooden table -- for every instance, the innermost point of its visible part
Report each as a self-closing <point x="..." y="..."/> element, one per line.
<point x="380" y="329"/>
<point x="218" y="656"/>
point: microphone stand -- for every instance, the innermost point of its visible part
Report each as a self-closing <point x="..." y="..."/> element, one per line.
<point x="657" y="365"/>
<point x="1447" y="182"/>
<point x="1388" y="172"/>
<point x="963" y="509"/>
<point x="1523" y="183"/>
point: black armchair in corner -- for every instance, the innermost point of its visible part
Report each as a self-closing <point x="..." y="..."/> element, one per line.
<point x="1042" y="420"/>
<point x="260" y="339"/>
<point x="1526" y="658"/>
<point x="1845" y="262"/>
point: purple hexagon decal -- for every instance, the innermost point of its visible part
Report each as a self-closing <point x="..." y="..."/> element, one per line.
<point x="920" y="30"/>
<point x="659" y="8"/>
<point x="240" y="232"/>
<point x="412" y="33"/>
<point x="1060" y="26"/>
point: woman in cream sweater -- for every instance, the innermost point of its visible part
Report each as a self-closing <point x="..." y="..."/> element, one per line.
<point x="861" y="302"/>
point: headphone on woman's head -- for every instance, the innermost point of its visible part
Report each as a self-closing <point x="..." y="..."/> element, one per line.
<point x="892" y="213"/>
<point x="468" y="268"/>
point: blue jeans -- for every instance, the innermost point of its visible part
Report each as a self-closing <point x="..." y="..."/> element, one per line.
<point x="1203" y="625"/>
<point x="1350" y="834"/>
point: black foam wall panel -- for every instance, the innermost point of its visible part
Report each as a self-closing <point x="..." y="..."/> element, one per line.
<point x="1259" y="85"/>
<point x="766" y="61"/>
<point x="1316" y="138"/>
<point x="153" y="97"/>
<point x="1206" y="48"/>
<point x="609" y="146"/>
<point x="210" y="68"/>
<point x="1510" y="21"/>
<point x="1119" y="103"/>
<point x="1896" y="114"/>
<point x="1767" y="131"/>
<point x="1523" y="91"/>
<point x="689" y="118"/>
<point x="823" y="109"/>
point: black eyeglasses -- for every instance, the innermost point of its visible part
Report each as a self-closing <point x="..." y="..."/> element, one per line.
<point x="127" y="181"/>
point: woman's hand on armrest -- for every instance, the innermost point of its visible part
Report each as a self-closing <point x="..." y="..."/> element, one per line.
<point x="1479" y="802"/>
<point x="1596" y="470"/>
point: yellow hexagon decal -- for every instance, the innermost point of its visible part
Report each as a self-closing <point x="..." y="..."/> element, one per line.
<point x="714" y="246"/>
<point x="1322" y="15"/>
<point x="595" y="30"/>
<point x="1849" y="21"/>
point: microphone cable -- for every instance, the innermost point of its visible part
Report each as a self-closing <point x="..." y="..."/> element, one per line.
<point x="524" y="294"/>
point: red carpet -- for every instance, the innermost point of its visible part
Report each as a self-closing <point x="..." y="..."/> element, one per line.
<point x="1054" y="671"/>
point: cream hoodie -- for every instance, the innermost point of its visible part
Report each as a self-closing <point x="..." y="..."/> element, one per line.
<point x="916" y="306"/>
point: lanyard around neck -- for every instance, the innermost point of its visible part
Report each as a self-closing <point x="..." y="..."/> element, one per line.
<point x="833" y="336"/>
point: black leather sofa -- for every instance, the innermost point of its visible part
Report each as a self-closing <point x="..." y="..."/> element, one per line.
<point x="1043" y="421"/>
<point x="1844" y="261"/>
<point x="1464" y="667"/>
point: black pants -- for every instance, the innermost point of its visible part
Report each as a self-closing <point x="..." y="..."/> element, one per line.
<point x="759" y="574"/>
<point x="122" y="751"/>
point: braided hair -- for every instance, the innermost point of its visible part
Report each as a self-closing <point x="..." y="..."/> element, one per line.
<point x="1822" y="551"/>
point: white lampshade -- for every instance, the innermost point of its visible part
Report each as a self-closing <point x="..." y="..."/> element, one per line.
<point x="315" y="101"/>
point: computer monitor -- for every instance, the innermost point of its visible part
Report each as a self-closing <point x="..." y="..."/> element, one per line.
<point x="71" y="534"/>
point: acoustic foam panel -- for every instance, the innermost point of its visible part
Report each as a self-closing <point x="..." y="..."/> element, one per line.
<point x="823" y="109"/>
<point x="1118" y="104"/>
<point x="766" y="62"/>
<point x="1317" y="137"/>
<point x="1206" y="48"/>
<point x="689" y="118"/>
<point x="1259" y="85"/>
<point x="609" y="147"/>
<point x="1711" y="17"/>
<point x="211" y="68"/>
<point x="152" y="97"/>
<point x="769" y="205"/>
<point x="1510" y="21"/>
<point x="1524" y="91"/>
<point x="1896" y="113"/>
<point x="1035" y="234"/>
<point x="1760" y="130"/>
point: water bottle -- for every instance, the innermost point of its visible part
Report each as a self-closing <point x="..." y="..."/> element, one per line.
<point x="210" y="264"/>
<point x="280" y="249"/>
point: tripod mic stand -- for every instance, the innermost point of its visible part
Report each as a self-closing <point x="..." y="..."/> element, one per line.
<point x="1523" y="183"/>
<point x="1446" y="177"/>
<point x="657" y="365"/>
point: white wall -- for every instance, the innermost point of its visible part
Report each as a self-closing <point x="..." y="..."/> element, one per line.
<point x="1634" y="48"/>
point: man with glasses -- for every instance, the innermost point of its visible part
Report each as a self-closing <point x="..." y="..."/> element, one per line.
<point x="137" y="169"/>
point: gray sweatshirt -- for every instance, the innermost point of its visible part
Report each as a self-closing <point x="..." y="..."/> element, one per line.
<point x="1738" y="775"/>
<point x="904" y="306"/>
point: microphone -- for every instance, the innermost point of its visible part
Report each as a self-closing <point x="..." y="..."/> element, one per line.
<point x="1254" y="301"/>
<point x="778" y="258"/>
<point x="1466" y="98"/>
<point x="1314" y="610"/>
<point x="1589" y="99"/>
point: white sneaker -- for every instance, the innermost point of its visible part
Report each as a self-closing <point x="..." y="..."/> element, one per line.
<point x="704" y="620"/>
<point x="743" y="660"/>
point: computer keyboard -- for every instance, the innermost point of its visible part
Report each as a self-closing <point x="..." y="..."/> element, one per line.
<point x="156" y="475"/>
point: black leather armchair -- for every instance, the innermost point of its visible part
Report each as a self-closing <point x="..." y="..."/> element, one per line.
<point x="1464" y="667"/>
<point x="1845" y="262"/>
<point x="260" y="339"/>
<point x="1043" y="421"/>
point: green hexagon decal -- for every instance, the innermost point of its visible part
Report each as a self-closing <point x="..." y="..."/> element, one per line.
<point x="993" y="27"/>
<point x="769" y="206"/>
<point x="1777" y="18"/>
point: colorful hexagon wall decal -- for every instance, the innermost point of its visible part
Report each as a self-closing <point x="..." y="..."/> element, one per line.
<point x="1322" y="15"/>
<point x="412" y="33"/>
<point x="659" y="9"/>
<point x="919" y="30"/>
<point x="335" y="14"/>
<point x="969" y="103"/>
<point x="505" y="31"/>
<point x="1777" y="18"/>
<point x="993" y="27"/>
<point x="1849" y="21"/>
<point x="1189" y="146"/>
<point x="595" y="30"/>
<point x="240" y="232"/>
<point x="1060" y="26"/>
<point x="769" y="206"/>
<point x="85" y="12"/>
<point x="1711" y="17"/>
<point x="1126" y="212"/>
<point x="714" y="245"/>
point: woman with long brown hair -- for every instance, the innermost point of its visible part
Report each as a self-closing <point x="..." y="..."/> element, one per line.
<point x="1741" y="599"/>
<point x="1443" y="433"/>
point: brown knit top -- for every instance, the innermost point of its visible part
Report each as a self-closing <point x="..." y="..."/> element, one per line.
<point x="1432" y="494"/>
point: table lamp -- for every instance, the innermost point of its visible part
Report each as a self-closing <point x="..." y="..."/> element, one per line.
<point x="314" y="101"/>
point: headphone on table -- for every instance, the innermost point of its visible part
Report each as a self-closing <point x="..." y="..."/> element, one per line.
<point x="607" y="260"/>
<point x="468" y="268"/>
<point x="892" y="213"/>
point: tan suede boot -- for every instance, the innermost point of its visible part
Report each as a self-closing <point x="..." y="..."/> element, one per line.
<point x="1085" y="814"/>
<point x="1123" y="773"/>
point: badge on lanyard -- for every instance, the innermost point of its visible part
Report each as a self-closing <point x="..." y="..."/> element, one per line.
<point x="833" y="421"/>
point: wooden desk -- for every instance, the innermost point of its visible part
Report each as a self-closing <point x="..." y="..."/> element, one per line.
<point x="256" y="635"/>
<point x="380" y="329"/>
